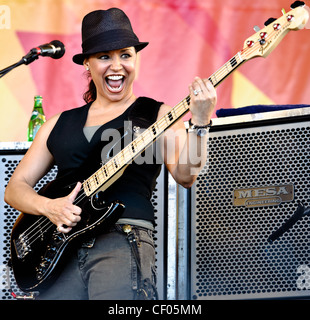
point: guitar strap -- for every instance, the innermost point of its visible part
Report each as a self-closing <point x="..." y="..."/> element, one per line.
<point x="144" y="112"/>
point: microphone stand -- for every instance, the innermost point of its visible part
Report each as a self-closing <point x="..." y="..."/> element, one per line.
<point x="28" y="58"/>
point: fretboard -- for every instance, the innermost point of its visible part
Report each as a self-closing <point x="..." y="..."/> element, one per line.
<point x="147" y="137"/>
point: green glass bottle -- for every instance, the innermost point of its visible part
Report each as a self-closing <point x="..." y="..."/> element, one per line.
<point x="37" y="118"/>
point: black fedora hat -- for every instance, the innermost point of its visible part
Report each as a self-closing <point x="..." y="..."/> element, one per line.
<point x="106" y="30"/>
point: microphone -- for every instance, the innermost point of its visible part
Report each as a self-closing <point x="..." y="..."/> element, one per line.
<point x="54" y="49"/>
<point x="300" y="212"/>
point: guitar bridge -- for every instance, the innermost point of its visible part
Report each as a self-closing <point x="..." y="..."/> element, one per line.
<point x="22" y="247"/>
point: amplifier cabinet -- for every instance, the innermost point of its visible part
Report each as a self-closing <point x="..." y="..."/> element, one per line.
<point x="257" y="174"/>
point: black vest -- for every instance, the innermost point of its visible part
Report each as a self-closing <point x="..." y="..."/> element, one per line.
<point x="70" y="149"/>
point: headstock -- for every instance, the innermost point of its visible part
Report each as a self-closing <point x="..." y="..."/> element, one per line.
<point x="265" y="40"/>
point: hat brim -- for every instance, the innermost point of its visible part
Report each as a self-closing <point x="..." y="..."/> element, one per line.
<point x="79" y="58"/>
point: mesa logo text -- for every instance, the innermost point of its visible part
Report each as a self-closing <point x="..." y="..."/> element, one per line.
<point x="263" y="196"/>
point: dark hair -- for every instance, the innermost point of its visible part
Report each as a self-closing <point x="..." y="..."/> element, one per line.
<point x="91" y="94"/>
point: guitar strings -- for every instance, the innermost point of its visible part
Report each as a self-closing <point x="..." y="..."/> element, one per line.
<point x="39" y="228"/>
<point x="36" y="228"/>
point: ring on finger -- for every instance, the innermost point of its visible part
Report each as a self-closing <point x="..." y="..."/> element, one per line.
<point x="196" y="92"/>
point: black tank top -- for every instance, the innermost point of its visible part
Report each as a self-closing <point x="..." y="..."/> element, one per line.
<point x="71" y="149"/>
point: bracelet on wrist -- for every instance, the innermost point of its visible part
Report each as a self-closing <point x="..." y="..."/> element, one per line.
<point x="199" y="130"/>
<point x="194" y="126"/>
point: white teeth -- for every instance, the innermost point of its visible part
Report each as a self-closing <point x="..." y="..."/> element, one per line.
<point x="115" y="78"/>
<point x="111" y="84"/>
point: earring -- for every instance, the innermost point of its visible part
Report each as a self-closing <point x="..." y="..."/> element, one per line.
<point x="87" y="68"/>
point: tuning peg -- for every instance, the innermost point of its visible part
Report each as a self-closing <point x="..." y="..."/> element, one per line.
<point x="256" y="28"/>
<point x="270" y="20"/>
<point x="297" y="4"/>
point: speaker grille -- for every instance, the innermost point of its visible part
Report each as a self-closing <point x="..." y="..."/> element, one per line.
<point x="232" y="258"/>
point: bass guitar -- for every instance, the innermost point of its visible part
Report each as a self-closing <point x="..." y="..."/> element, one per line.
<point x="38" y="250"/>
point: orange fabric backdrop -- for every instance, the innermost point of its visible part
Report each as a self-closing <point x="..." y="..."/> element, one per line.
<point x="187" y="38"/>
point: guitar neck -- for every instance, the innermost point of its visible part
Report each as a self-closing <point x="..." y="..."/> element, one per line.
<point x="147" y="137"/>
<point x="230" y="66"/>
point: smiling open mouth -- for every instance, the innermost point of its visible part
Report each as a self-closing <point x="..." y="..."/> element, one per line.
<point x="115" y="83"/>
